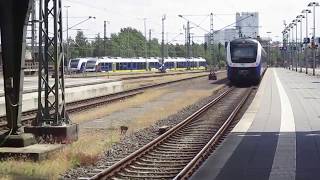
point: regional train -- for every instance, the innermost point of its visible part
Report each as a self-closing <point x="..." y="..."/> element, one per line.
<point x="82" y="65"/>
<point x="246" y="61"/>
<point x="106" y="64"/>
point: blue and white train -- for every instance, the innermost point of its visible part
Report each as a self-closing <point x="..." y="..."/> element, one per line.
<point x="82" y="65"/>
<point x="106" y="64"/>
<point x="246" y="60"/>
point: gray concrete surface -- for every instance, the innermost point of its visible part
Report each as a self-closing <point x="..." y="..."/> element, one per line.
<point x="36" y="152"/>
<point x="30" y="100"/>
<point x="31" y="83"/>
<point x="278" y="136"/>
<point x="80" y="88"/>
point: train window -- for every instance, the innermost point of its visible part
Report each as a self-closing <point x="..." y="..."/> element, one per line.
<point x="90" y="64"/>
<point x="243" y="53"/>
<point x="74" y="63"/>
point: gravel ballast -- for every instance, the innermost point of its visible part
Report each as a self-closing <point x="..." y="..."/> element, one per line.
<point x="134" y="141"/>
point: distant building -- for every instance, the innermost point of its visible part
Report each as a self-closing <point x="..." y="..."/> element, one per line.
<point x="230" y="34"/>
<point x="218" y="37"/>
<point x="247" y="25"/>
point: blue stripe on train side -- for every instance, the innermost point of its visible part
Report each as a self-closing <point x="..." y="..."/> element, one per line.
<point x="229" y="69"/>
<point x="258" y="70"/>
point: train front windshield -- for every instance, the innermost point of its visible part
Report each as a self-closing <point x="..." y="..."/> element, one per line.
<point x="243" y="53"/>
<point x="74" y="63"/>
<point x="90" y="64"/>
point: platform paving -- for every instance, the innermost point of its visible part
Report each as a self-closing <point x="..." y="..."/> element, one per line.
<point x="30" y="84"/>
<point x="277" y="138"/>
<point x="75" y="93"/>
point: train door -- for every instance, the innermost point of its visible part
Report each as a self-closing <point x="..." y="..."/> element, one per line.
<point x="83" y="67"/>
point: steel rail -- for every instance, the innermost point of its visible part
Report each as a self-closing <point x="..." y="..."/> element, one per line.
<point x="111" y="171"/>
<point x="188" y="170"/>
<point x="116" y="79"/>
<point x="30" y="115"/>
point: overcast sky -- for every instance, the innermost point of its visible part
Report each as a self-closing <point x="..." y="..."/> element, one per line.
<point x="124" y="13"/>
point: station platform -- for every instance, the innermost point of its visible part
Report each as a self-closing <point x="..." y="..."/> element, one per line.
<point x="30" y="84"/>
<point x="76" y="89"/>
<point x="278" y="137"/>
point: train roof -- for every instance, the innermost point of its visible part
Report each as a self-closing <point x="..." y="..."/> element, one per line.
<point x="151" y="59"/>
<point x="79" y="59"/>
<point x="120" y="60"/>
<point x="242" y="40"/>
<point x="179" y="59"/>
<point x="92" y="58"/>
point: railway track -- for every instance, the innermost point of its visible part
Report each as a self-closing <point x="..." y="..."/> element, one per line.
<point x="77" y="106"/>
<point x="178" y="151"/>
<point x="121" y="78"/>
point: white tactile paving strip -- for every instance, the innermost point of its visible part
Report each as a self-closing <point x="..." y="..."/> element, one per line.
<point x="284" y="162"/>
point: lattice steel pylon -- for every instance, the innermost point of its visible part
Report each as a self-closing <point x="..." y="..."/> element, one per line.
<point x="51" y="91"/>
<point x="33" y="29"/>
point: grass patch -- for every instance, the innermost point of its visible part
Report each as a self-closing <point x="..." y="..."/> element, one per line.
<point x="83" y="152"/>
<point x="149" y="118"/>
<point x="134" y="83"/>
<point x="107" y="109"/>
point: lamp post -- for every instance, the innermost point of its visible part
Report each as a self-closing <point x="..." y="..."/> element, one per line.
<point x="288" y="45"/>
<point x="269" y="43"/>
<point x="162" y="42"/>
<point x="185" y="39"/>
<point x="188" y="45"/>
<point x="285" y="46"/>
<point x="306" y="11"/>
<point x="145" y="43"/>
<point x="291" y="44"/>
<point x="145" y="35"/>
<point x="299" y="18"/>
<point x="188" y="38"/>
<point x="313" y="4"/>
<point x="68" y="28"/>
<point x="295" y="23"/>
<point x="301" y="38"/>
<point x="89" y="17"/>
<point x="67" y="49"/>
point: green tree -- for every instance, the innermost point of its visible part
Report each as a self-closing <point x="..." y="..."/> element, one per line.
<point x="180" y="50"/>
<point x="128" y="43"/>
<point x="80" y="47"/>
<point x="171" y="50"/>
<point x="98" y="47"/>
<point x="154" y="48"/>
